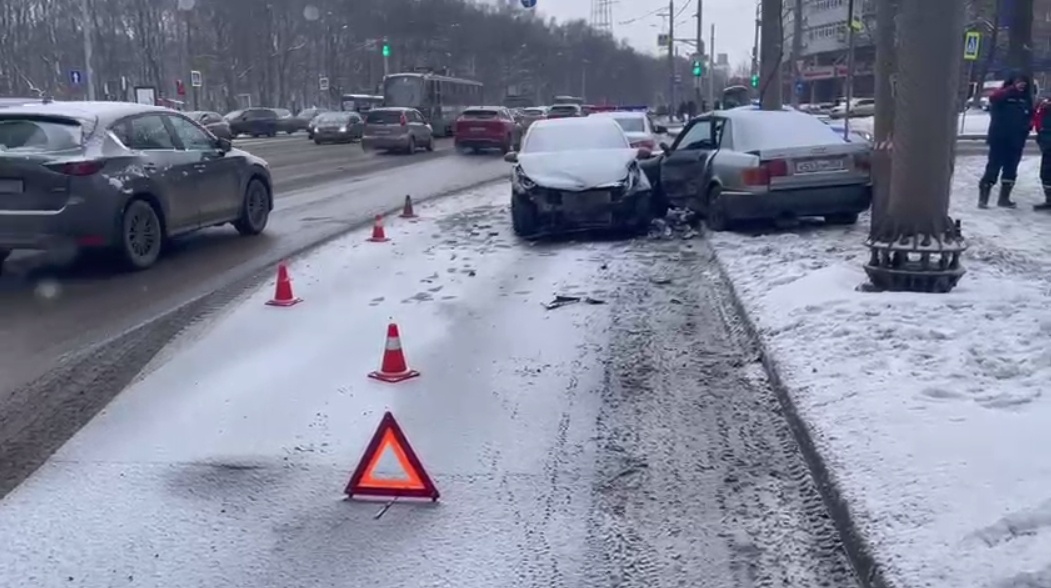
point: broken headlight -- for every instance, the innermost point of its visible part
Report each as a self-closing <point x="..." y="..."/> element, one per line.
<point x="521" y="181"/>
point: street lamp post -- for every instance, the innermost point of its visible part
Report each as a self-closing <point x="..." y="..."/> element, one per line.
<point x="89" y="53"/>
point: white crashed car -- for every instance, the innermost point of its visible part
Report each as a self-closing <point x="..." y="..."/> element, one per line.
<point x="577" y="174"/>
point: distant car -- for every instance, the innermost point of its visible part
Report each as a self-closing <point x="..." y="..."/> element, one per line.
<point x="533" y="114"/>
<point x="6" y="102"/>
<point x="577" y="174"/>
<point x="858" y="135"/>
<point x="255" y="122"/>
<point x="120" y="176"/>
<point x="859" y="107"/>
<point x="735" y="165"/>
<point x="286" y="123"/>
<point x="565" y="111"/>
<point x="641" y="131"/>
<point x="308" y="116"/>
<point x="338" y="127"/>
<point x="213" y="121"/>
<point x="487" y="127"/>
<point x="397" y="129"/>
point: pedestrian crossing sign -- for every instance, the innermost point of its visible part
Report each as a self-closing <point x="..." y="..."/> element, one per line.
<point x="970" y="47"/>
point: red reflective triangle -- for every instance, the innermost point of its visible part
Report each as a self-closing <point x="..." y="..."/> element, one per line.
<point x="363" y="481"/>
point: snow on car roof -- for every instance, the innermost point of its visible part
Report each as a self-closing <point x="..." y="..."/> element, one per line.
<point x="566" y="134"/>
<point x="755" y="130"/>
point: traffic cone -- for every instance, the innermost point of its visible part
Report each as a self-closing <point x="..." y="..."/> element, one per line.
<point x="283" y="292"/>
<point x="378" y="234"/>
<point x="407" y="211"/>
<point x="394" y="368"/>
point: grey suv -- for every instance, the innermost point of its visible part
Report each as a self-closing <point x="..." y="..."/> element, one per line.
<point x="397" y="129"/>
<point x="120" y="176"/>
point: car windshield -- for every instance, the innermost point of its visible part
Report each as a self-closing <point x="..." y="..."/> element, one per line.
<point x="383" y="117"/>
<point x="333" y="117"/>
<point x="631" y="124"/>
<point x="32" y="134"/>
<point x="404" y="91"/>
<point x="545" y="137"/>
<point x="564" y="109"/>
<point x="780" y="130"/>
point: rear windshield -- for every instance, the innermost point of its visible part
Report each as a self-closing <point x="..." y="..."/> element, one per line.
<point x="533" y="112"/>
<point x="631" y="124"/>
<point x="566" y="109"/>
<point x="34" y="134"/>
<point x="383" y="117"/>
<point x="781" y="130"/>
<point x="480" y="114"/>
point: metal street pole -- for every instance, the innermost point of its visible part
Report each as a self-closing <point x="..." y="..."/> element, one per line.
<point x="849" y="80"/>
<point x="697" y="81"/>
<point x="711" y="72"/>
<point x="755" y="43"/>
<point x="797" y="50"/>
<point x="671" y="55"/>
<point x="770" y="55"/>
<point x="918" y="247"/>
<point x="89" y="48"/>
<point x="886" y="65"/>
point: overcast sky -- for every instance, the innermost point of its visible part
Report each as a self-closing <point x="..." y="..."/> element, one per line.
<point x="636" y="21"/>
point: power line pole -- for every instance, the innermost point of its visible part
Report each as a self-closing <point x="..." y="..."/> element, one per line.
<point x="755" y="43"/>
<point x="797" y="50"/>
<point x="89" y="48"/>
<point x="671" y="55"/>
<point x="705" y="68"/>
<point x="770" y="55"/>
<point x="918" y="247"/>
<point x="886" y="65"/>
<point x="849" y="80"/>
<point x="711" y="70"/>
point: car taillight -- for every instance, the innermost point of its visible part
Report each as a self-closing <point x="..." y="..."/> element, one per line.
<point x="760" y="176"/>
<point x="404" y="120"/>
<point x="862" y="162"/>
<point x="78" y="168"/>
<point x="646" y="144"/>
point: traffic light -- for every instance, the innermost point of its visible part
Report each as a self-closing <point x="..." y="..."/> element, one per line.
<point x="698" y="68"/>
<point x="755" y="80"/>
<point x="386" y="48"/>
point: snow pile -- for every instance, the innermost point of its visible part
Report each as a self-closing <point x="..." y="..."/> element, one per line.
<point x="928" y="409"/>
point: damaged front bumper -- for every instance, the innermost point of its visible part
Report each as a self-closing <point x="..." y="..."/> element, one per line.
<point x="606" y="208"/>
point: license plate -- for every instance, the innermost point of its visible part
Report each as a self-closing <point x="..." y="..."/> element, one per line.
<point x="477" y="129"/>
<point x="816" y="166"/>
<point x="587" y="199"/>
<point x="11" y="187"/>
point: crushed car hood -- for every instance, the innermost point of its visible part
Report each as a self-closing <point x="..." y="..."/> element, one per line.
<point x="578" y="170"/>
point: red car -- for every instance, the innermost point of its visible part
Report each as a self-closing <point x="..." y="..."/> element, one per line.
<point x="487" y="127"/>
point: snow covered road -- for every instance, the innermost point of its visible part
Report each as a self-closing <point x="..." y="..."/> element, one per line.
<point x="630" y="443"/>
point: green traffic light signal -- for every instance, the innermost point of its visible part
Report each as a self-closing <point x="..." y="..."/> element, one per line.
<point x="698" y="69"/>
<point x="755" y="80"/>
<point x="386" y="50"/>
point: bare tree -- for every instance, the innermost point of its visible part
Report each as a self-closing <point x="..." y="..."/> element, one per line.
<point x="917" y="246"/>
<point x="771" y="53"/>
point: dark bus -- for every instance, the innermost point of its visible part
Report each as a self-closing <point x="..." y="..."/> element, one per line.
<point x="440" y="99"/>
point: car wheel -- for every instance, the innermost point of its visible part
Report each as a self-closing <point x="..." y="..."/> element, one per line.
<point x="412" y="145"/>
<point x="715" y="211"/>
<point x="317" y="141"/>
<point x="141" y="235"/>
<point x="841" y="219"/>
<point x="430" y="144"/>
<point x="523" y="216"/>
<point x="255" y="209"/>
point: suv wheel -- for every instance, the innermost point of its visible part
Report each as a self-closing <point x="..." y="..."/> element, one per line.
<point x="141" y="235"/>
<point x="255" y="209"/>
<point x="523" y="216"/>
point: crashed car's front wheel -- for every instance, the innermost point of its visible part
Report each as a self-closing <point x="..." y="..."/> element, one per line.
<point x="523" y="216"/>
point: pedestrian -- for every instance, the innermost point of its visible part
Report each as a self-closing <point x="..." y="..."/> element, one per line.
<point x="682" y="111"/>
<point x="691" y="109"/>
<point x="1042" y="124"/>
<point x="1010" y="120"/>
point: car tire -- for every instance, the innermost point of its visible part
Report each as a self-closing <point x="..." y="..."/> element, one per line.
<point x="715" y="211"/>
<point x="523" y="216"/>
<point x="412" y="145"/>
<point x="841" y="219"/>
<point x="430" y="145"/>
<point x="141" y="235"/>
<point x="317" y="141"/>
<point x="255" y="209"/>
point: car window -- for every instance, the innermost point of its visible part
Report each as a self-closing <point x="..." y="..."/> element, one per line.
<point x="260" y="114"/>
<point x="191" y="137"/>
<point x="383" y="117"/>
<point x="149" y="133"/>
<point x="28" y="134"/>
<point x="631" y="124"/>
<point x="697" y="136"/>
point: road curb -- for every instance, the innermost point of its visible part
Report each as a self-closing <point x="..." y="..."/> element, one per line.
<point x="44" y="413"/>
<point x="858" y="549"/>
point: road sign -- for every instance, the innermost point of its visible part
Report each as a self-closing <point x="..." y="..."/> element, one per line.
<point x="972" y="45"/>
<point x="322" y="84"/>
<point x="528" y="3"/>
<point x="195" y="79"/>
<point x="800" y="86"/>
<point x="75" y="77"/>
<point x="662" y="40"/>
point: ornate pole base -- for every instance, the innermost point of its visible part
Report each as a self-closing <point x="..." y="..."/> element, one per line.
<point x="924" y="263"/>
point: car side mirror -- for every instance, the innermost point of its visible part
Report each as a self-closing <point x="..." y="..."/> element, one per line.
<point x="661" y="129"/>
<point x="644" y="153"/>
<point x="224" y="144"/>
<point x="665" y="147"/>
<point x="511" y="157"/>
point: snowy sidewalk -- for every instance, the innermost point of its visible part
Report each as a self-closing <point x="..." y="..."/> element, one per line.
<point x="929" y="410"/>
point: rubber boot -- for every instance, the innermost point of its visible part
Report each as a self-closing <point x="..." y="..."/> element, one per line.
<point x="984" y="190"/>
<point x="1046" y="204"/>
<point x="1004" y="201"/>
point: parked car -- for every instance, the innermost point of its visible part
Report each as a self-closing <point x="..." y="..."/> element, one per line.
<point x="396" y="129"/>
<point x="338" y="127"/>
<point x="120" y="176"/>
<point x="213" y="121"/>
<point x="858" y="107"/>
<point x="641" y="131"/>
<point x="487" y="127"/>
<point x="736" y="165"/>
<point x="533" y="114"/>
<point x="255" y="122"/>
<point x="577" y="174"/>
<point x="565" y="111"/>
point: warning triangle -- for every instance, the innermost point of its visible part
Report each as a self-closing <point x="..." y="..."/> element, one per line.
<point x="389" y="440"/>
